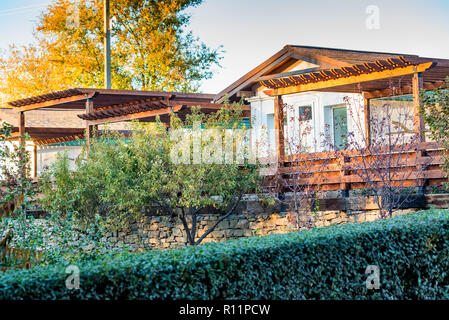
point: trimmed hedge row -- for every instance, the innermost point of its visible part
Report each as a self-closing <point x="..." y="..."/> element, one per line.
<point x="412" y="253"/>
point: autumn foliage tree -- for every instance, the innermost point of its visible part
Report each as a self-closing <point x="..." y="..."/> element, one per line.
<point x="151" y="49"/>
<point x="16" y="188"/>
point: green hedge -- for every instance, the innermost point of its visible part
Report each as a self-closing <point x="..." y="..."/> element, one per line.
<point x="411" y="251"/>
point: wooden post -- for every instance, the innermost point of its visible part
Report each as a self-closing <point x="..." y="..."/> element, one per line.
<point x="107" y="45"/>
<point x="367" y="115"/>
<point x="279" y="127"/>
<point x="89" y="109"/>
<point x="35" y="161"/>
<point x="344" y="160"/>
<point x="22" y="142"/>
<point x="417" y="85"/>
<point x="22" y="128"/>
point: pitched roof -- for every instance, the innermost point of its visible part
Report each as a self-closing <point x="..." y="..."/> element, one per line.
<point x="325" y="58"/>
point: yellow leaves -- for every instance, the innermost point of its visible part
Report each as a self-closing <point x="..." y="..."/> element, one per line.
<point x="150" y="50"/>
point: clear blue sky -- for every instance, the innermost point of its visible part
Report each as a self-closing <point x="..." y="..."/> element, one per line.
<point x="253" y="30"/>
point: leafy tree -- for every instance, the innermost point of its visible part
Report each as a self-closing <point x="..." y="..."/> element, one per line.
<point x="435" y="112"/>
<point x="16" y="196"/>
<point x="122" y="178"/>
<point x="16" y="188"/>
<point x="150" y="49"/>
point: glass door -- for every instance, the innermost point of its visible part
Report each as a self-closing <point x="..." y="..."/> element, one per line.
<point x="340" y="126"/>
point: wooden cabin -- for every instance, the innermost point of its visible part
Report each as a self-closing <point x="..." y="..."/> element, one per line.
<point x="310" y="86"/>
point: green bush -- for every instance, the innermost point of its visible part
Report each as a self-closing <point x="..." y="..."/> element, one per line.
<point x="412" y="252"/>
<point x="154" y="170"/>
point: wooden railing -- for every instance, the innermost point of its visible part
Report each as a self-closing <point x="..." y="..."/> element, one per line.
<point x="7" y="208"/>
<point x="17" y="258"/>
<point x="416" y="165"/>
<point x="10" y="257"/>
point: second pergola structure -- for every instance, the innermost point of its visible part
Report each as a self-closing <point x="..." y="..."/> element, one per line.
<point x="100" y="106"/>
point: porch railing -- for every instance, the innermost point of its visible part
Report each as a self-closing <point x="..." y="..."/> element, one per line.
<point x="416" y="165"/>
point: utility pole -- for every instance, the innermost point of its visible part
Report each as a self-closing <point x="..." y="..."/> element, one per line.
<point x="107" y="46"/>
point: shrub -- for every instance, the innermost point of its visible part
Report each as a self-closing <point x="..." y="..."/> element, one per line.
<point x="120" y="178"/>
<point x="327" y="263"/>
<point x="438" y="189"/>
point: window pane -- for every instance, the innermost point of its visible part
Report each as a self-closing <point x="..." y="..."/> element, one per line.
<point x="305" y="113"/>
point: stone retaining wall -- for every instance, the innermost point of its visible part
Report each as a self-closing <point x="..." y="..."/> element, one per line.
<point x="253" y="218"/>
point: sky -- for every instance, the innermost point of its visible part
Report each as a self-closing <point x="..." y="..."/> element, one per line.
<point x="250" y="31"/>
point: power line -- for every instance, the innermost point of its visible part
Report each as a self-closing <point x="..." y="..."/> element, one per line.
<point x="27" y="7"/>
<point x="19" y="10"/>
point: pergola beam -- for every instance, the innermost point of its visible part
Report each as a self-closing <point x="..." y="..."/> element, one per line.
<point x="138" y="111"/>
<point x="52" y="140"/>
<point x="378" y="75"/>
<point x="138" y="115"/>
<point x="55" y="102"/>
<point x="402" y="90"/>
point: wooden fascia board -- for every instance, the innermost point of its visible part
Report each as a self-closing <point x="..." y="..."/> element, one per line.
<point x="321" y="60"/>
<point x="355" y="79"/>
<point x="252" y="78"/>
<point x="52" y="103"/>
<point x="138" y="115"/>
<point x="312" y="61"/>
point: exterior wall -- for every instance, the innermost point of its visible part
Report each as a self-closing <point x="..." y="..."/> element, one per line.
<point x="262" y="111"/>
<point x="29" y="147"/>
<point x="262" y="120"/>
<point x="46" y="155"/>
<point x="399" y="110"/>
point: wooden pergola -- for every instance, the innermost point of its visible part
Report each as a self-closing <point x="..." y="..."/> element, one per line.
<point x="371" y="79"/>
<point x="100" y="106"/>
